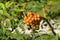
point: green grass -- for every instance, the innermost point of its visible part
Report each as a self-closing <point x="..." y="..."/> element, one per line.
<point x="46" y="37"/>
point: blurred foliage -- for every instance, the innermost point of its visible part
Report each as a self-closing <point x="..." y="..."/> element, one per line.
<point x="7" y="35"/>
<point x="11" y="12"/>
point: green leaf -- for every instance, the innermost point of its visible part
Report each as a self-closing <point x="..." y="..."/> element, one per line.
<point x="8" y="23"/>
<point x="1" y="12"/>
<point x="12" y="22"/>
<point x="3" y="29"/>
<point x="8" y="32"/>
<point x="17" y="32"/>
<point x="21" y="26"/>
<point x="2" y="6"/>
<point x="57" y="36"/>
<point x="8" y="4"/>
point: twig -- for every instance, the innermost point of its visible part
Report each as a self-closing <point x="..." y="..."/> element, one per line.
<point x="49" y="25"/>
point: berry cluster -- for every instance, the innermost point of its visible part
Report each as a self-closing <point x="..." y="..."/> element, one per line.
<point x="32" y="20"/>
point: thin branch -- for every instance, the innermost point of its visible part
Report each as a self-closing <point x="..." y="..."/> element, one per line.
<point x="49" y="25"/>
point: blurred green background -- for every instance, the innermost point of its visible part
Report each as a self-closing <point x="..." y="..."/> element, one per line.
<point x="11" y="12"/>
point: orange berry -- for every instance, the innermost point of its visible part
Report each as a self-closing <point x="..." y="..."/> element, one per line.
<point x="25" y="18"/>
<point x="38" y="19"/>
<point x="29" y="13"/>
<point x="28" y="19"/>
<point x="24" y="21"/>
<point x="27" y="24"/>
<point x="30" y="23"/>
<point x="32" y="18"/>
<point x="38" y="16"/>
<point x="35" y="18"/>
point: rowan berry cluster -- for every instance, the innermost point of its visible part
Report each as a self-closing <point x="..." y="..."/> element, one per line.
<point x="32" y="20"/>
